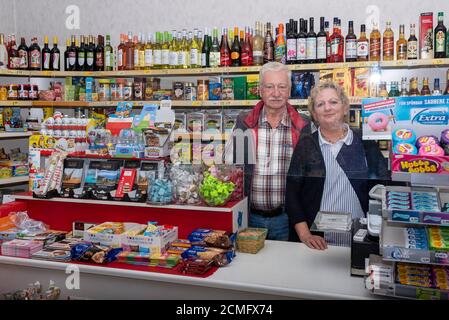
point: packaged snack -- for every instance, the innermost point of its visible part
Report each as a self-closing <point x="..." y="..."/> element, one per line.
<point x="252" y="87"/>
<point x="214" y="88"/>
<point x="72" y="177"/>
<point x="239" y="88"/>
<point x="227" y="92"/>
<point x="107" y="179"/>
<point x="94" y="253"/>
<point x="361" y="82"/>
<point x="212" y="238"/>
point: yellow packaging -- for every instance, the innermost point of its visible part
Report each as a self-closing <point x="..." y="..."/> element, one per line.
<point x="361" y="82"/>
<point x="252" y="87"/>
<point x="326" y="75"/>
<point x="48" y="112"/>
<point x="41" y="142"/>
<point x="342" y="76"/>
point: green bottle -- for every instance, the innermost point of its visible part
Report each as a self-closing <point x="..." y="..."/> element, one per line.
<point x="108" y="55"/>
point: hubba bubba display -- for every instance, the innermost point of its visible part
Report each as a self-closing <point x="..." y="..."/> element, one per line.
<point x="419" y="131"/>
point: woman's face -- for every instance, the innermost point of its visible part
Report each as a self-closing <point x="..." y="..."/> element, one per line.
<point x="329" y="110"/>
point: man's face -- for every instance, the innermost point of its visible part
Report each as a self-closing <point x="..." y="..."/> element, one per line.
<point x="275" y="89"/>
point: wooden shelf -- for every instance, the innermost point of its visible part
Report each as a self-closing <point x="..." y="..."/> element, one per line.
<point x="227" y="70"/>
<point x="14" y="180"/>
<point x="9" y="135"/>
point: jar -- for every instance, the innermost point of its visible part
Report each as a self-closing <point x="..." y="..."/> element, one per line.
<point x="23" y="92"/>
<point x="128" y="91"/>
<point x="203" y="89"/>
<point x="33" y="94"/>
<point x="216" y="189"/>
<point x="189" y="91"/>
<point x="160" y="190"/>
<point x="178" y="90"/>
<point x="383" y="90"/>
<point x="186" y="179"/>
<point x="139" y="88"/>
<point x="104" y="90"/>
<point x="120" y="89"/>
<point x="13" y="92"/>
<point x="3" y="93"/>
<point x="114" y="90"/>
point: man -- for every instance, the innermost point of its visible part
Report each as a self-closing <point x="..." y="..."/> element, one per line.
<point x="264" y="140"/>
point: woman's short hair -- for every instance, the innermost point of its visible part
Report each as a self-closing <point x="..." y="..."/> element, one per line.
<point x="327" y="85"/>
<point x="274" y="66"/>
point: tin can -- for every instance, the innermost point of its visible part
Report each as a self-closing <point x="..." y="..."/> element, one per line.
<point x="190" y="91"/>
<point x="128" y="91"/>
<point x="139" y="88"/>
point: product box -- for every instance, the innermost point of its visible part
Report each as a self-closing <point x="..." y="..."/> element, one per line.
<point x="213" y="122"/>
<point x="227" y="91"/>
<point x="154" y="242"/>
<point x="252" y="87"/>
<point x="126" y="182"/>
<point x="360" y="83"/>
<point x="215" y="88"/>
<point x="326" y="75"/>
<point x="239" y="88"/>
<point x="72" y="177"/>
<point x="79" y="227"/>
<point x="426" y="35"/>
<point x="342" y="76"/>
<point x="109" y="233"/>
<point x="157" y="142"/>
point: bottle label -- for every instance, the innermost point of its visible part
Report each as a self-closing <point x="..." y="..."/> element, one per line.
<point x="291" y="49"/>
<point x="203" y="60"/>
<point x="173" y="58"/>
<point x="193" y="56"/>
<point x="311" y="48"/>
<point x="136" y="57"/>
<point x="55" y="61"/>
<point x="46" y="58"/>
<point x="440" y="42"/>
<point x="321" y="48"/>
<point x="99" y="59"/>
<point x="374" y="49"/>
<point x="23" y="59"/>
<point x="72" y="58"/>
<point x="245" y="58"/>
<point x="225" y="60"/>
<point x="362" y="48"/>
<point x="81" y="58"/>
<point x="279" y="54"/>
<point x="402" y="51"/>
<point x="3" y="57"/>
<point x="35" y="61"/>
<point x="149" y="57"/>
<point x="351" y="49"/>
<point x="182" y="58"/>
<point x="90" y="59"/>
<point x="257" y="54"/>
<point x="120" y="58"/>
<point x="412" y="49"/>
<point x="388" y="47"/>
<point x="214" y="59"/>
<point x="335" y="44"/>
<point x="142" y="58"/>
<point x="235" y="55"/>
<point x="157" y="57"/>
<point x="165" y="57"/>
<point x="108" y="62"/>
<point x="301" y="46"/>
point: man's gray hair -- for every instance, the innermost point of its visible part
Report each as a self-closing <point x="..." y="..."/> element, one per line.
<point x="274" y="66"/>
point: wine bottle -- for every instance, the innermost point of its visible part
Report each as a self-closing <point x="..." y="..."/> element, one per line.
<point x="55" y="54"/>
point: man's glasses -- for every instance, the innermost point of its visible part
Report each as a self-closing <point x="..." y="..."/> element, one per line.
<point x="282" y="87"/>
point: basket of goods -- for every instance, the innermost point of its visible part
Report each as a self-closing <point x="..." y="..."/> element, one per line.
<point x="251" y="240"/>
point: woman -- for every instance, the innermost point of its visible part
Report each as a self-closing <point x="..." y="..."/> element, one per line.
<point x="331" y="167"/>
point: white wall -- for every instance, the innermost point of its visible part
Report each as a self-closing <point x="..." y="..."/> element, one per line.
<point x="43" y="17"/>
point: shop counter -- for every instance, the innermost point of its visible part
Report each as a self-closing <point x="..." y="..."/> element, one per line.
<point x="281" y="270"/>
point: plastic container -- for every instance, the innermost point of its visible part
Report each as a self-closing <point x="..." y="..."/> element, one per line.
<point x="186" y="179"/>
<point x="160" y="190"/>
<point x="216" y="189"/>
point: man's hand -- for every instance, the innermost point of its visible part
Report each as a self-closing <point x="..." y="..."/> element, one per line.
<point x="314" y="242"/>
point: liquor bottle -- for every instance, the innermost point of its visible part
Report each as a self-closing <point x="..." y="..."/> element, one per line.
<point x="414" y="87"/>
<point x="311" y="43"/>
<point x="447" y="44"/>
<point x="205" y="50"/>
<point x="108" y="55"/>
<point x="214" y="54"/>
<point x="301" y="43"/>
<point x="404" y="91"/>
<point x="174" y="53"/>
<point x="446" y="91"/>
<point x="35" y="55"/>
<point x="337" y="43"/>
<point x="291" y="42"/>
<point x="142" y="51"/>
<point x="321" y="43"/>
<point x="351" y="44"/>
<point x="328" y="40"/>
<point x="66" y="55"/>
<point x="412" y="44"/>
<point x="165" y="51"/>
<point x="23" y="54"/>
<point x="247" y="52"/>
<point x="280" y="53"/>
<point x="157" y="52"/>
<point x="440" y="37"/>
<point x="258" y="46"/>
<point x="71" y="55"/>
<point x="136" y="53"/>
<point x="362" y="45"/>
<point x="129" y="55"/>
<point x="121" y="54"/>
<point x="374" y="44"/>
<point x="225" y="53"/>
<point x="383" y="93"/>
<point x="401" y="45"/>
<point x="149" y="54"/>
<point x="425" y="91"/>
<point x="99" y="54"/>
<point x="81" y="56"/>
<point x="436" y="87"/>
<point x="394" y="89"/>
<point x="268" y="45"/>
<point x="55" y="61"/>
<point x="242" y="37"/>
<point x="189" y="45"/>
<point x="13" y="54"/>
<point x="90" y="54"/>
<point x="199" y="40"/>
<point x="4" y="53"/>
<point x="236" y="49"/>
<point x="388" y="43"/>
<point x="184" y="53"/>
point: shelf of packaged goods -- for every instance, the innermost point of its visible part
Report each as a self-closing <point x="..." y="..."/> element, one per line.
<point x="228" y="70"/>
<point x="10" y="135"/>
<point x="393" y="248"/>
<point x="227" y="208"/>
<point x="204" y="136"/>
<point x="13" y="180"/>
<point x="423" y="179"/>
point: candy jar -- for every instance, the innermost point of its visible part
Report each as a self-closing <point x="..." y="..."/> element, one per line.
<point x="186" y="179"/>
<point x="216" y="188"/>
<point x="160" y="189"/>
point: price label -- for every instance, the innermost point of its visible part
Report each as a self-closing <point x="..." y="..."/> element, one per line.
<point x="414" y="220"/>
<point x="247" y="103"/>
<point x="425" y="260"/>
<point x="438" y="61"/>
<point x="196" y="103"/>
<point x="89" y="73"/>
<point x="121" y="73"/>
<point x="427" y="294"/>
<point x="444" y="221"/>
<point x="400" y="63"/>
<point x="441" y="255"/>
<point x="46" y="73"/>
<point x="147" y="71"/>
<point x="226" y="103"/>
<point x="244" y="69"/>
<point x="413" y="63"/>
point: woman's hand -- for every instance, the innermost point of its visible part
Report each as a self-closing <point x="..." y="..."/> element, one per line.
<point x="314" y="242"/>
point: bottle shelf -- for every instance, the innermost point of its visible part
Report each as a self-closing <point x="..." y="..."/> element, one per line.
<point x="397" y="64"/>
<point x="9" y="135"/>
<point x="13" y="180"/>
